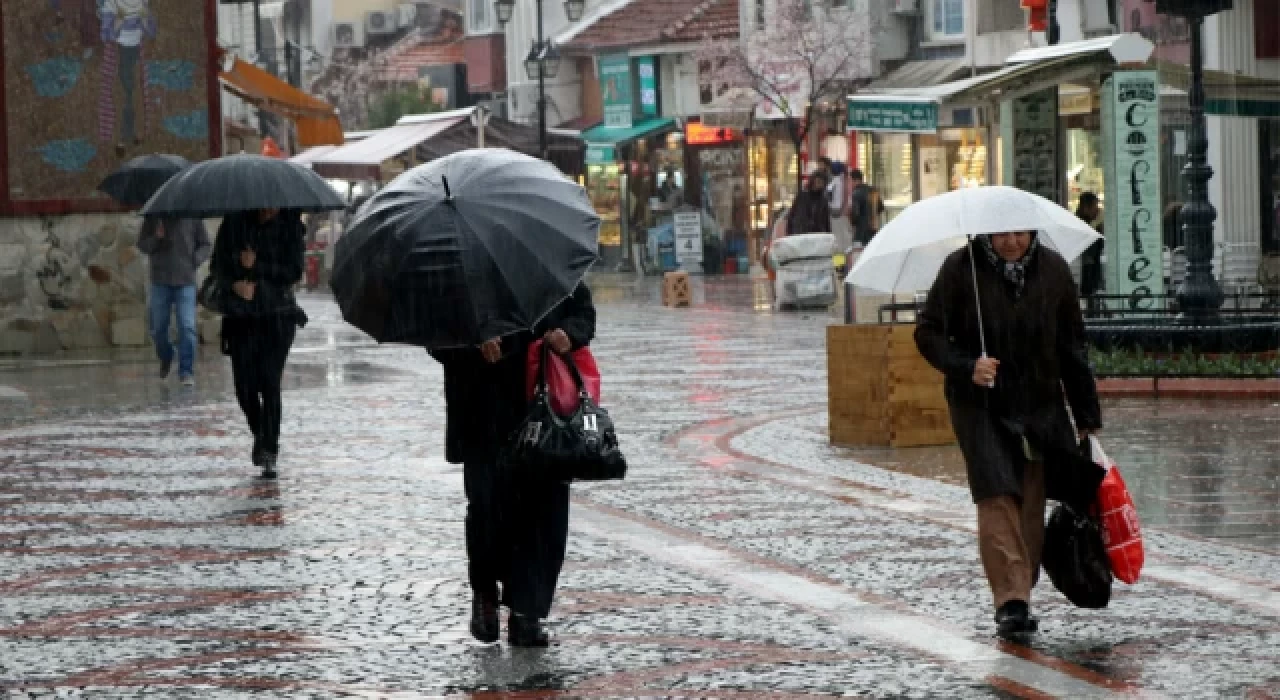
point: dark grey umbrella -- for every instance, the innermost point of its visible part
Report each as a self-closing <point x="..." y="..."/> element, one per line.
<point x="476" y="245"/>
<point x="242" y="183"/>
<point x="139" y="179"/>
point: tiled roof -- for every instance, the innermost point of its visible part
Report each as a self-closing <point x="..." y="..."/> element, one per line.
<point x="401" y="63"/>
<point x="677" y="21"/>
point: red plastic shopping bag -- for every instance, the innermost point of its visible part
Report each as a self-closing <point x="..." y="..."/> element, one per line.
<point x="1121" y="532"/>
<point x="562" y="389"/>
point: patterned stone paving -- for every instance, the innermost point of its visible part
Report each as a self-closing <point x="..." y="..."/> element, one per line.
<point x="742" y="558"/>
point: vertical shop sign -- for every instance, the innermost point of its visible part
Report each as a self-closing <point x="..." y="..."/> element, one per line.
<point x="648" y="74"/>
<point x="615" y="89"/>
<point x="1031" y="125"/>
<point x="1131" y="124"/>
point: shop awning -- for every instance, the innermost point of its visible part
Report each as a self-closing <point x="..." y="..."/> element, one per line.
<point x="608" y="136"/>
<point x="307" y="157"/>
<point x="317" y="121"/>
<point x="1025" y="72"/>
<point x="363" y="159"/>
<point x="1227" y="94"/>
<point x="917" y="74"/>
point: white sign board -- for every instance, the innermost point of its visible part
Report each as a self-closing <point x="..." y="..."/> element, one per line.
<point x="688" y="225"/>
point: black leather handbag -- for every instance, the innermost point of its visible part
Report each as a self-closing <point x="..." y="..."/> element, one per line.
<point x="582" y="447"/>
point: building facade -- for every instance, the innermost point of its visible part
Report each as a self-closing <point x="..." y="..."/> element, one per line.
<point x="86" y="86"/>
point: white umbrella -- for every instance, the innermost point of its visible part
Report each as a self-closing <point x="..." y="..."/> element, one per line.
<point x="907" y="253"/>
<point x="905" y="256"/>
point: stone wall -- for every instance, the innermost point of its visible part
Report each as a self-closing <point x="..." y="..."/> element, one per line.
<point x="73" y="283"/>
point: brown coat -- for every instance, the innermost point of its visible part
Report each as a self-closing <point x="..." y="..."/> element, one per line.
<point x="1040" y="343"/>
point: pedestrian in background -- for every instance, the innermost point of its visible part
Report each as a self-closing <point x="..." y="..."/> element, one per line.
<point x="1007" y="404"/>
<point x="258" y="256"/>
<point x="1089" y="210"/>
<point x="517" y="525"/>
<point x="175" y="249"/>
<point x="866" y="208"/>
<point x="810" y="212"/>
<point x="838" y="194"/>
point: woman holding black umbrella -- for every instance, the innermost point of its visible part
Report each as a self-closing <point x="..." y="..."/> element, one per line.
<point x="257" y="259"/>
<point x="474" y="256"/>
<point x="517" y="528"/>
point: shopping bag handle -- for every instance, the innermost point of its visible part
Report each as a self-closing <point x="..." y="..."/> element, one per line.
<point x="568" y="361"/>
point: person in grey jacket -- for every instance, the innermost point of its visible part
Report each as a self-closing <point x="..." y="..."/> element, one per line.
<point x="176" y="249"/>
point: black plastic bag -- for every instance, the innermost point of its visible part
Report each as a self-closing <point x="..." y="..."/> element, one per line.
<point x="1076" y="559"/>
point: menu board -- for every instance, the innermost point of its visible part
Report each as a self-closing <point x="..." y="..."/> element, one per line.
<point x="1034" y="122"/>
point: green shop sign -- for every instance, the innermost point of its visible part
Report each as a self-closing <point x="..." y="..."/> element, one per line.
<point x="615" y="89"/>
<point x="648" y="74"/>
<point x="600" y="154"/>
<point x="889" y="115"/>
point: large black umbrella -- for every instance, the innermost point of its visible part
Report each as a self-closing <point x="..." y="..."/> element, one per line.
<point x="242" y="183"/>
<point x="136" y="181"/>
<point x="476" y="245"/>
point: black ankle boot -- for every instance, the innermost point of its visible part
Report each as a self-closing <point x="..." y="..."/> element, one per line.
<point x="1014" y="621"/>
<point x="525" y="631"/>
<point x="486" y="625"/>
<point x="268" y="465"/>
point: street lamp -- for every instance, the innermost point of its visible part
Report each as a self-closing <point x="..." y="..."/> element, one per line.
<point x="543" y="61"/>
<point x="1200" y="295"/>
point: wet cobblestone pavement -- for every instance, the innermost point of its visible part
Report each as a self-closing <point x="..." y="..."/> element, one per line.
<point x="742" y="558"/>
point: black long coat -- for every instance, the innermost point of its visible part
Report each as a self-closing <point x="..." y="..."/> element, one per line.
<point x="485" y="403"/>
<point x="280" y="250"/>
<point x="810" y="213"/>
<point x="1040" y="343"/>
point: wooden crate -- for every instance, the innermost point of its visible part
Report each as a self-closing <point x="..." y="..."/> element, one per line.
<point x="881" y="392"/>
<point x="676" y="291"/>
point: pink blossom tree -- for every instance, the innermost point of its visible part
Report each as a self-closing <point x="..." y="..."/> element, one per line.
<point x="793" y="55"/>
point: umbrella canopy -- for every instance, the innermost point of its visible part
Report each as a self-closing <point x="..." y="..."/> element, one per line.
<point x="907" y="253"/>
<point x="137" y="181"/>
<point x="242" y="183"/>
<point x="473" y="246"/>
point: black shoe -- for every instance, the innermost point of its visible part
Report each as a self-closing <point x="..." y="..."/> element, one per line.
<point x="486" y="625"/>
<point x="268" y="465"/>
<point x="165" y="367"/>
<point x="524" y="631"/>
<point x="1014" y="621"/>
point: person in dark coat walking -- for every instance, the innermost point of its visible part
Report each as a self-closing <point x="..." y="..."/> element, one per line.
<point x="516" y="527"/>
<point x="810" y="212"/>
<point x="258" y="258"/>
<point x="1008" y="409"/>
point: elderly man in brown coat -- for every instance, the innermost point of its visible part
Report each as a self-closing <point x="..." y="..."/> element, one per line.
<point x="1009" y="405"/>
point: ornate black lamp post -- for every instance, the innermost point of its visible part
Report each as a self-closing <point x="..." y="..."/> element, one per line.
<point x="543" y="61"/>
<point x="1200" y="296"/>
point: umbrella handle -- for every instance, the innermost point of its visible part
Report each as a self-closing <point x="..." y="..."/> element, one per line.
<point x="991" y="384"/>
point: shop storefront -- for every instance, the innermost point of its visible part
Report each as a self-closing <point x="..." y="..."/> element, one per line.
<point x="913" y="149"/>
<point x="773" y="173"/>
<point x="627" y="171"/>
<point x="716" y="160"/>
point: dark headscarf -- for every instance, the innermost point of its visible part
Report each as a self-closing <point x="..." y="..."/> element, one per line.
<point x="1015" y="273"/>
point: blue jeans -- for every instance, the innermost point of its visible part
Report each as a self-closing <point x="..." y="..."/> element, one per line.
<point x="163" y="298"/>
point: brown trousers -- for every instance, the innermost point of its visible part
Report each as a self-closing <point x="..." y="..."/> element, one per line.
<point x="1011" y="538"/>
